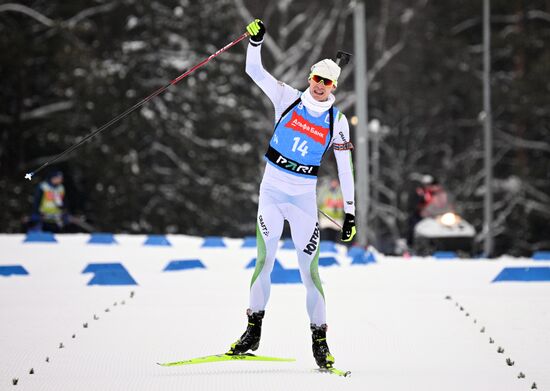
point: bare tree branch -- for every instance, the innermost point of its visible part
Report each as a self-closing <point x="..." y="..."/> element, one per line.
<point x="14" y="7"/>
<point x="246" y="16"/>
<point x="173" y="156"/>
<point x="522" y="143"/>
<point x="512" y="19"/>
<point x="70" y="23"/>
<point x="380" y="38"/>
<point x="44" y="111"/>
<point x="296" y="51"/>
<point x="385" y="59"/>
<point x="89" y="12"/>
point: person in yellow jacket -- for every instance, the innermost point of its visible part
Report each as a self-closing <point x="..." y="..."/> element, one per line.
<point x="49" y="212"/>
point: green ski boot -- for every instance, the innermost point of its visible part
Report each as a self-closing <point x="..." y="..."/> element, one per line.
<point x="250" y="340"/>
<point x="321" y="353"/>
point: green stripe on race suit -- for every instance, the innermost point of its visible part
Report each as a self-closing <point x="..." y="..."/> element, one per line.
<point x="314" y="271"/>
<point x="260" y="260"/>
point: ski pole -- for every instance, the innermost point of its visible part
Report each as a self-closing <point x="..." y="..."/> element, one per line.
<point x="134" y="107"/>
<point x="331" y="219"/>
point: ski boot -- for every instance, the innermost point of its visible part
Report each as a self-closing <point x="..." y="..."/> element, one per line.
<point x="320" y="348"/>
<point x="250" y="340"/>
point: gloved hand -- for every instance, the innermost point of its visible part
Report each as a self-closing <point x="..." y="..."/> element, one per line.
<point x="256" y="29"/>
<point x="348" y="230"/>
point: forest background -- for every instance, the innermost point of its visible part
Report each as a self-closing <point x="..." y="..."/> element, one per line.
<point x="190" y="161"/>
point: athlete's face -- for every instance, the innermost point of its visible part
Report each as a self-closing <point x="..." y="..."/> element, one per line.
<point x="320" y="91"/>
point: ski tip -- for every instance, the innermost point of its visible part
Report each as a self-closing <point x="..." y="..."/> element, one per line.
<point x="335" y="371"/>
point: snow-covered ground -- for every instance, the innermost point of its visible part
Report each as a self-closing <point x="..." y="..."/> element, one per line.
<point x="397" y="324"/>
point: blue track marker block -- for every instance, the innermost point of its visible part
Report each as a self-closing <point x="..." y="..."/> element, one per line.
<point x="109" y="274"/>
<point x="328" y="246"/>
<point x="328" y="261"/>
<point x="370" y="257"/>
<point x="213" y="241"/>
<point x="359" y="260"/>
<point x="362" y="259"/>
<point x="541" y="256"/>
<point x="276" y="266"/>
<point x="445" y="255"/>
<point x="357" y="255"/>
<point x="184" y="265"/>
<point x="249" y="241"/>
<point x="285" y="276"/>
<point x="40" y="237"/>
<point x="288" y="244"/>
<point x="102" y="238"/>
<point x="13" y="270"/>
<point x="355" y="250"/>
<point x="280" y="275"/>
<point x="157" y="240"/>
<point x="524" y="274"/>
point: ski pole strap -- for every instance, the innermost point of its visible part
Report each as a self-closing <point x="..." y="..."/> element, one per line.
<point x="331" y="126"/>
<point x="290" y="165"/>
<point x="293" y="105"/>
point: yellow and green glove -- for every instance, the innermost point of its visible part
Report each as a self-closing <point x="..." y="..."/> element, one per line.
<point x="256" y="29"/>
<point x="348" y="230"/>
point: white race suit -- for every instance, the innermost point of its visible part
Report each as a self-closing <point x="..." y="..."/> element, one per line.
<point x="288" y="187"/>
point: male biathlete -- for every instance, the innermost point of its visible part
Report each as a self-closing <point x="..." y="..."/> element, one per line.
<point x="307" y="124"/>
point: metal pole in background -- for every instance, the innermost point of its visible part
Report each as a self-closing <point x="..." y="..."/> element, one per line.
<point x="488" y="136"/>
<point x="374" y="132"/>
<point x="361" y="111"/>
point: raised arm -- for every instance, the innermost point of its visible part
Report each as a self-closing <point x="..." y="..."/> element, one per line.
<point x="280" y="94"/>
<point x="257" y="72"/>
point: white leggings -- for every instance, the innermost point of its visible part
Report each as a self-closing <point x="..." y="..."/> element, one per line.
<point x="300" y="211"/>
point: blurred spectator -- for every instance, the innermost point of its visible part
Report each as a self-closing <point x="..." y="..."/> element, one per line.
<point x="48" y="211"/>
<point x="428" y="199"/>
<point x="331" y="202"/>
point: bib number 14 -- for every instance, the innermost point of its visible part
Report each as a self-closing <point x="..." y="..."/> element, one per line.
<point x="300" y="147"/>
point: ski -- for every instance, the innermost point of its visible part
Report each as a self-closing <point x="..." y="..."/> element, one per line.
<point x="335" y="371"/>
<point x="225" y="357"/>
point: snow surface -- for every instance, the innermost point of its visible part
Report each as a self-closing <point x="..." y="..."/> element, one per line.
<point x="390" y="323"/>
